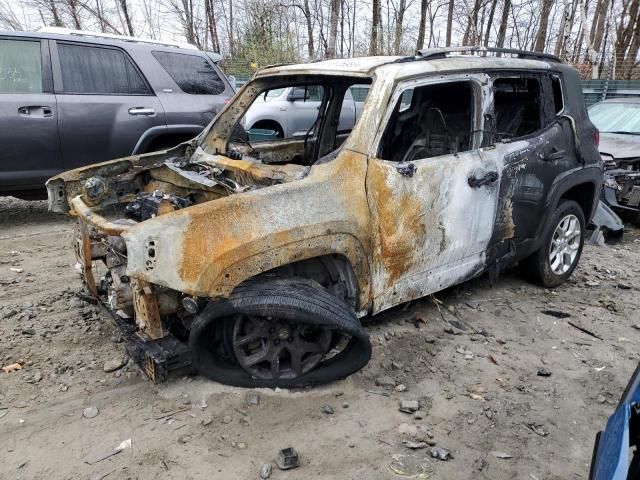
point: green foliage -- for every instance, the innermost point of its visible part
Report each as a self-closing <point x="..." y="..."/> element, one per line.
<point x="267" y="40"/>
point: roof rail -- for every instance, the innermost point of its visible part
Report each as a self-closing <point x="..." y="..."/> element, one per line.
<point x="434" y="53"/>
<point x="124" y="38"/>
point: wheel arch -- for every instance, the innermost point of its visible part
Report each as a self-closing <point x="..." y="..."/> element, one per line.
<point x="268" y="121"/>
<point x="581" y="186"/>
<point x="339" y="258"/>
<point x="155" y="134"/>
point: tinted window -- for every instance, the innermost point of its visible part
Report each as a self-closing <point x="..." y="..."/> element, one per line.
<point x="518" y="107"/>
<point x="99" y="71"/>
<point x="192" y="73"/>
<point x="20" y="67"/>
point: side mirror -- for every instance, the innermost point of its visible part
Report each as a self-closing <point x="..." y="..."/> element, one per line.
<point x="297" y="93"/>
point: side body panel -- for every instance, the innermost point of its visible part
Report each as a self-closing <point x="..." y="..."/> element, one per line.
<point x="431" y="230"/>
<point x="28" y="128"/>
<point x="98" y="127"/>
<point x="207" y="249"/>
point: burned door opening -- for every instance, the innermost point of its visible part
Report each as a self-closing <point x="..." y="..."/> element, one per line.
<point x="534" y="142"/>
<point x="432" y="222"/>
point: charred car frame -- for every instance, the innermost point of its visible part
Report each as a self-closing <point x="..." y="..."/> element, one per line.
<point x="255" y="260"/>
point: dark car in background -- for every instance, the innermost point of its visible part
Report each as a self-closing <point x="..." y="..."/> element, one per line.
<point x="71" y="98"/>
<point x="618" y="121"/>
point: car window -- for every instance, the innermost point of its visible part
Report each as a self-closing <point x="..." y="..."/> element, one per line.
<point x="307" y="93"/>
<point x="275" y="93"/>
<point x="359" y="92"/>
<point x="20" y="66"/>
<point x="97" y="70"/>
<point x="518" y="107"/>
<point x="616" y="117"/>
<point x="193" y="74"/>
<point x="430" y="121"/>
<point x="288" y="116"/>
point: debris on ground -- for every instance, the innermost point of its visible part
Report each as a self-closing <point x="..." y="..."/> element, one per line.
<point x="114" y="364"/>
<point x="265" y="470"/>
<point x="287" y="459"/>
<point x="252" y="399"/>
<point x="386" y="381"/>
<point x="409" y="406"/>
<point x="501" y="455"/>
<point x="328" y="409"/>
<point x="556" y="313"/>
<point x="544" y="372"/>
<point x="95" y="458"/>
<point x="13" y="367"/>
<point x="411" y="465"/>
<point x="90" y="412"/>
<point x="584" y="330"/>
<point x="440" y="454"/>
<point x="414" y="445"/>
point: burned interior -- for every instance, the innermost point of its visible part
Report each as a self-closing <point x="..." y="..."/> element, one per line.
<point x="429" y="121"/>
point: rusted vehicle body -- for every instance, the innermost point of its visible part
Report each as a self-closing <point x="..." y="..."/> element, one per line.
<point x="263" y="255"/>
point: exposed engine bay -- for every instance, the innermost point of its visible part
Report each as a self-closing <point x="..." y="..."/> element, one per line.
<point x="621" y="188"/>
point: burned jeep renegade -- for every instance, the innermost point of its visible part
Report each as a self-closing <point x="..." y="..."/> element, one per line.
<point x="252" y="255"/>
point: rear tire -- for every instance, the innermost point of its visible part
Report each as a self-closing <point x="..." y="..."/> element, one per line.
<point x="561" y="249"/>
<point x="278" y="301"/>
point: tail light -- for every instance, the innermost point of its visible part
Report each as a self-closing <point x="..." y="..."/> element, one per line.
<point x="596" y="137"/>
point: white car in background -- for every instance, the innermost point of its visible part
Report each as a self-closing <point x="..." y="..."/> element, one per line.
<point x="292" y="111"/>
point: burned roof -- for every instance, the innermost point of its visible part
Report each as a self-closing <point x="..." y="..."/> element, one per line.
<point x="405" y="67"/>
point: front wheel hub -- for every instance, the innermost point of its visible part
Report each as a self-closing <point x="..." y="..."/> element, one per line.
<point x="276" y="349"/>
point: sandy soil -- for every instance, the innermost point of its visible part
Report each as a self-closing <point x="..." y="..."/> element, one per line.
<point x="471" y="362"/>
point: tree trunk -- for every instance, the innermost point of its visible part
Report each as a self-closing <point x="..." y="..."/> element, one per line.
<point x="599" y="24"/>
<point x="307" y="16"/>
<point x="333" y="28"/>
<point x="470" y="33"/>
<point x="375" y="27"/>
<point x="127" y="17"/>
<point x="397" y="44"/>
<point x="541" y="35"/>
<point x="628" y="39"/>
<point x="231" y="40"/>
<point x="502" y="32"/>
<point x="57" y="20"/>
<point x="490" y="22"/>
<point x="212" y="25"/>
<point x="564" y="28"/>
<point x="72" y="5"/>
<point x="450" y="23"/>
<point x="423" y="23"/>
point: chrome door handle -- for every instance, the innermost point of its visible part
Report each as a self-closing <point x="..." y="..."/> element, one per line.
<point x="142" y="111"/>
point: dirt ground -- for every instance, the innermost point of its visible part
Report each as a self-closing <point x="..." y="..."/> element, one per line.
<point x="473" y="363"/>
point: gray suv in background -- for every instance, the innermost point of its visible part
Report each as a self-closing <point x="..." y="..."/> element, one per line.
<point x="70" y="98"/>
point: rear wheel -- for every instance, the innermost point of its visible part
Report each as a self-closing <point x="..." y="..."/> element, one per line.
<point x="278" y="331"/>
<point x="558" y="257"/>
